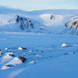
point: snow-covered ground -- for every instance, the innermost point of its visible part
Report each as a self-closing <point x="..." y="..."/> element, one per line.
<point x="49" y="48"/>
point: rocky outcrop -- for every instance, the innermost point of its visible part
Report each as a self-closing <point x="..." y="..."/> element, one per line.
<point x="72" y="24"/>
<point x="24" y="22"/>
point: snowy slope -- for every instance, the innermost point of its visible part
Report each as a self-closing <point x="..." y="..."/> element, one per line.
<point x="43" y="21"/>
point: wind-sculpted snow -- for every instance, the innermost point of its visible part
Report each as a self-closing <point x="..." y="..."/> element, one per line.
<point x="37" y="48"/>
<point x="51" y="19"/>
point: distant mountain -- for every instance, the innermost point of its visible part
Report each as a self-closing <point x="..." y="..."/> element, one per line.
<point x="4" y="10"/>
<point x="39" y="20"/>
<point x="56" y="11"/>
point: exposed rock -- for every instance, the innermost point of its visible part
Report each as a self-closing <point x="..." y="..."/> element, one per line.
<point x="73" y="23"/>
<point x="1" y="52"/>
<point x="64" y="45"/>
<point x="23" y="59"/>
<point x="10" y="54"/>
<point x="7" y="48"/>
<point x="22" y="48"/>
<point x="25" y="22"/>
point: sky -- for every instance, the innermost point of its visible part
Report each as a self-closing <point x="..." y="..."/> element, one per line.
<point x="40" y="4"/>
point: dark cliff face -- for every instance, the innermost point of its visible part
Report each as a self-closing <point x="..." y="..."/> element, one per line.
<point x="24" y="23"/>
<point x="73" y="22"/>
<point x="72" y="25"/>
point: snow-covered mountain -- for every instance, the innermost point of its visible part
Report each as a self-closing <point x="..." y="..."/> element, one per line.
<point x="36" y="21"/>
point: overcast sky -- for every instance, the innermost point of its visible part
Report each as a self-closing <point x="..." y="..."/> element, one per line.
<point x="40" y="4"/>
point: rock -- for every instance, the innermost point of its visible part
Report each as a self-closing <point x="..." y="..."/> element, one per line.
<point x="1" y="52"/>
<point x="7" y="48"/>
<point x="64" y="45"/>
<point x="7" y="66"/>
<point x="21" y="48"/>
<point x="9" y="54"/>
<point x="10" y="65"/>
<point x="23" y="59"/>
<point x="14" y="62"/>
<point x="7" y="57"/>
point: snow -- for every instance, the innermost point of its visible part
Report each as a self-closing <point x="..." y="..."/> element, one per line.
<point x="64" y="45"/>
<point x="47" y="21"/>
<point x="50" y="49"/>
<point x="19" y="48"/>
<point x="6" y="57"/>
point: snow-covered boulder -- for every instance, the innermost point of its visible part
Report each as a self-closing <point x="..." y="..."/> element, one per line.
<point x="7" y="57"/>
<point x="64" y="45"/>
<point x="72" y="23"/>
<point x="22" y="48"/>
<point x="14" y="62"/>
